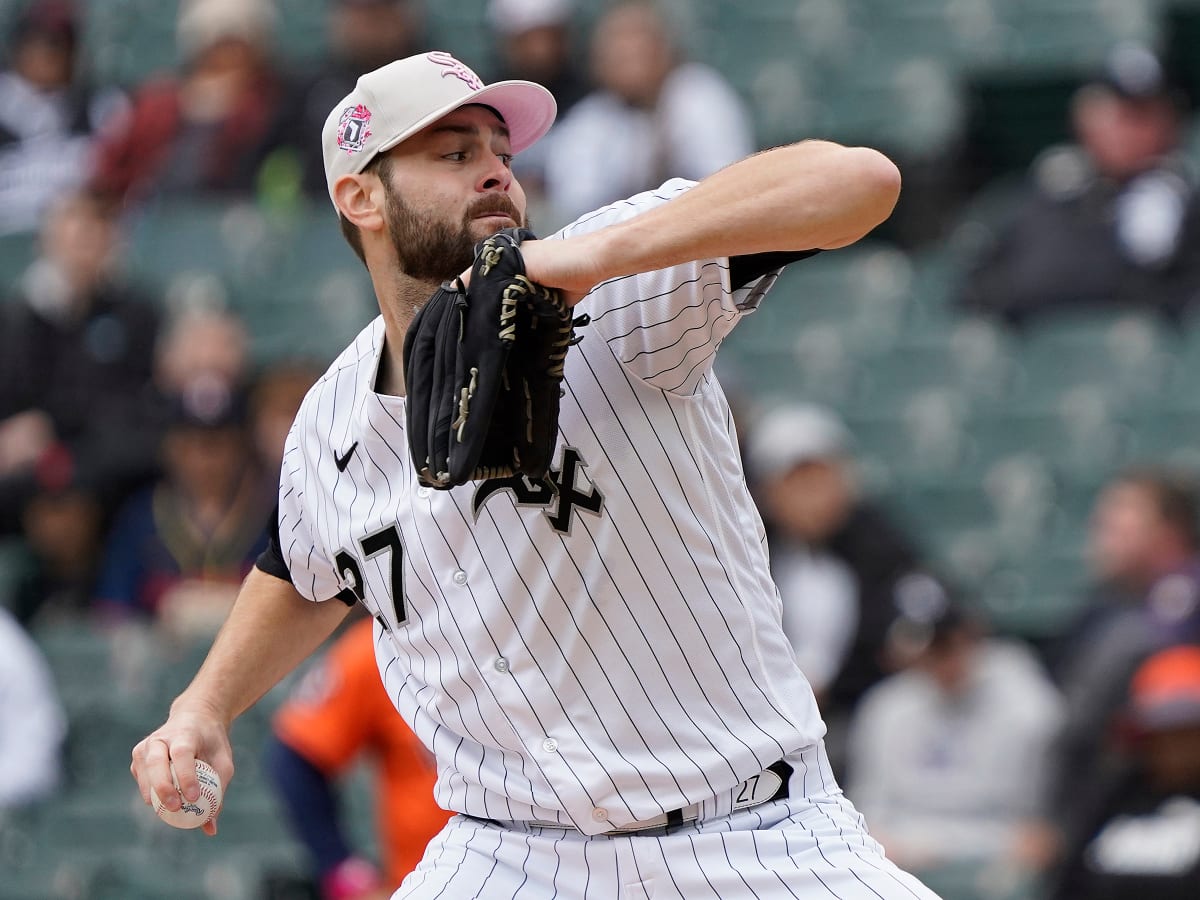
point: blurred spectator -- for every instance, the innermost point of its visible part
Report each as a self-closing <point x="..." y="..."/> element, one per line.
<point x="202" y="346"/>
<point x="274" y="400"/>
<point x="338" y="713"/>
<point x="78" y="428"/>
<point x="206" y="129"/>
<point x="32" y="722"/>
<point x="652" y="117"/>
<point x="947" y="759"/>
<point x="1112" y="221"/>
<point x="178" y="550"/>
<point x="534" y="42"/>
<point x="840" y="563"/>
<point x="1145" y="549"/>
<point x="48" y="114"/>
<point x="364" y="35"/>
<point x="1140" y="837"/>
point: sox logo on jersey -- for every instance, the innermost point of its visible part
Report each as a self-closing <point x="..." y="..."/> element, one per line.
<point x="559" y="493"/>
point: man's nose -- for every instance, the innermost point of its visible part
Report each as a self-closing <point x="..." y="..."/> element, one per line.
<point x="497" y="176"/>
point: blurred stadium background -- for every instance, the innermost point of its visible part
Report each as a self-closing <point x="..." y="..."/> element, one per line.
<point x="991" y="445"/>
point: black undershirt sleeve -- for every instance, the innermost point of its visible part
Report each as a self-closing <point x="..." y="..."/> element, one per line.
<point x="745" y="269"/>
<point x="271" y="559"/>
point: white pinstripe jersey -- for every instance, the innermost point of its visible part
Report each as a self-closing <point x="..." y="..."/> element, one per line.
<point x="595" y="649"/>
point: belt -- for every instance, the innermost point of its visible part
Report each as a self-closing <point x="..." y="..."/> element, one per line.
<point x="769" y="784"/>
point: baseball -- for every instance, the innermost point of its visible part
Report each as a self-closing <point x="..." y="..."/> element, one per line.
<point x="193" y="815"/>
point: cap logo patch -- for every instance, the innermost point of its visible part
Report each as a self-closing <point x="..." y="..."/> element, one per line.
<point x="354" y="127"/>
<point x="455" y="68"/>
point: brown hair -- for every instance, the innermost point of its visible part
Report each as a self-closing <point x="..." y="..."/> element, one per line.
<point x="1174" y="495"/>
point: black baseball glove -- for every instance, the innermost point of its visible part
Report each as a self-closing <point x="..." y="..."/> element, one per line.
<point x="483" y="368"/>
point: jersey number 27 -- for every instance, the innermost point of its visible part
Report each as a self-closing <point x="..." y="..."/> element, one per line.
<point x="351" y="572"/>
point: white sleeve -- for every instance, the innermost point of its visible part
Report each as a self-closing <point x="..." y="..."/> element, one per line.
<point x="665" y="325"/>
<point x="309" y="563"/>
<point x="32" y="722"/>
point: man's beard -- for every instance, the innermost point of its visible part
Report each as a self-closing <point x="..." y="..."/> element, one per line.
<point x="431" y="249"/>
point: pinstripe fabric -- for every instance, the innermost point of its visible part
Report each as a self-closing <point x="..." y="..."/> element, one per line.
<point x="593" y="651"/>
<point x="813" y="846"/>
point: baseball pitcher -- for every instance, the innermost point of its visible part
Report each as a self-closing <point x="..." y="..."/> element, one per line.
<point x="525" y="470"/>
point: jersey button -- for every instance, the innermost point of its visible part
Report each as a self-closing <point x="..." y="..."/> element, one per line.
<point x="600" y="814"/>
<point x="460" y="577"/>
<point x="501" y="664"/>
<point x="550" y="745"/>
<point x="424" y="492"/>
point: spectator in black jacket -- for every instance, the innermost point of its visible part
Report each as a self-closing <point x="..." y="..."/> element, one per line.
<point x="77" y="415"/>
<point x="1113" y="221"/>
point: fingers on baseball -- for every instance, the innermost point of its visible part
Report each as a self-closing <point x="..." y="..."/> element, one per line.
<point x="158" y="758"/>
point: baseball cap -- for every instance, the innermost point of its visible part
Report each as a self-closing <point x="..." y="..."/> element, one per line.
<point x="53" y="20"/>
<point x="798" y="433"/>
<point x="509" y="17"/>
<point x="396" y="101"/>
<point x="926" y="612"/>
<point x="1165" y="691"/>
<point x="203" y="23"/>
<point x="1132" y="71"/>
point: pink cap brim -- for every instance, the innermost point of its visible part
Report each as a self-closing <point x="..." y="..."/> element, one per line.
<point x="528" y="109"/>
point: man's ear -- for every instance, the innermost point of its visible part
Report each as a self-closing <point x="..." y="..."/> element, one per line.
<point x="360" y="199"/>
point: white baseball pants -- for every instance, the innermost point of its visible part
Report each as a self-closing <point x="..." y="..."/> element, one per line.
<point x="813" y="845"/>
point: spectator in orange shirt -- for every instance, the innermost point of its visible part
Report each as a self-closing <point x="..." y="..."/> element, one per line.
<point x="337" y="712"/>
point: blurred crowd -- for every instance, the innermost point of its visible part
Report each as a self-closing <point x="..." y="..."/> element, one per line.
<point x="140" y="441"/>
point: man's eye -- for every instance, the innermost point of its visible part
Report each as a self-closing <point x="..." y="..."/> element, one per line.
<point x="507" y="158"/>
<point x="456" y="156"/>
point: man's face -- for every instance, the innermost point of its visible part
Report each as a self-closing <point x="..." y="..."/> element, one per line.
<point x="811" y="500"/>
<point x="449" y="187"/>
<point x="1125" y="137"/>
<point x="632" y="55"/>
<point x="80" y="241"/>
<point x="1125" y="527"/>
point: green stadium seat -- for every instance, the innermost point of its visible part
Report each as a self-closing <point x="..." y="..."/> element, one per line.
<point x="918" y="437"/>
<point x="1035" y="604"/>
<point x="816" y="367"/>
<point x="190" y="244"/>
<point x="1129" y="357"/>
<point x="965" y="362"/>
<point x="938" y="509"/>
<point x="1166" y="436"/>
<point x="1081" y="439"/>
<point x="17" y="251"/>
<point x="129" y="40"/>
<point x="15" y="566"/>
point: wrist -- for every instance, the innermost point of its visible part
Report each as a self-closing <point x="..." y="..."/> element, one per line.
<point x="351" y="878"/>
<point x="189" y="703"/>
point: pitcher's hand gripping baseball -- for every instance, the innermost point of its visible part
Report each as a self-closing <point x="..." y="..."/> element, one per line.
<point x="483" y="365"/>
<point x="165" y="767"/>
